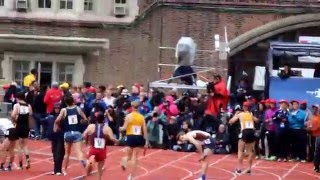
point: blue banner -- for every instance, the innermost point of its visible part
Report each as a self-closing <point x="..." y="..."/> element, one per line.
<point x="295" y="88"/>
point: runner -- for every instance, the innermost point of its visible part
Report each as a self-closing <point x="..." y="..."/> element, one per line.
<point x="20" y="116"/>
<point x="137" y="137"/>
<point x="204" y="144"/>
<point x="96" y="136"/>
<point x="247" y="136"/>
<point x="9" y="137"/>
<point x="69" y="121"/>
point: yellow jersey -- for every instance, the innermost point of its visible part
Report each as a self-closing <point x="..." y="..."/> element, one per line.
<point x="135" y="124"/>
<point x="246" y="120"/>
<point x="27" y="80"/>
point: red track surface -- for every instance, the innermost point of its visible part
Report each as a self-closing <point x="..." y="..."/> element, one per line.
<point x="161" y="164"/>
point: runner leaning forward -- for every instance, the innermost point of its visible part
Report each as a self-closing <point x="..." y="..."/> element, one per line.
<point x="20" y="115"/>
<point x="137" y="137"/>
<point x="69" y="120"/>
<point x="246" y="137"/>
<point x="96" y="136"/>
<point x="204" y="144"/>
<point x="8" y="138"/>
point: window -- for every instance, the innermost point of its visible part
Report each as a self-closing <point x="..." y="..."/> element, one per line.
<point x="88" y="5"/>
<point x="66" y="4"/>
<point x="1" y="2"/>
<point x="65" y="72"/>
<point x="44" y="3"/>
<point x="121" y="1"/>
<point x="20" y="70"/>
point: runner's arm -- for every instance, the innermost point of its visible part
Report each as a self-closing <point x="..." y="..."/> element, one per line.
<point x="84" y="117"/>
<point x="125" y="124"/>
<point x="195" y="143"/>
<point x="86" y="133"/>
<point x="234" y="119"/>
<point x="14" y="113"/>
<point x="145" y="133"/>
<point x="107" y="130"/>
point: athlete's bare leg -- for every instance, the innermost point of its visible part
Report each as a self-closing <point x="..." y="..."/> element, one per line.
<point x="100" y="169"/>
<point x="126" y="158"/>
<point x="89" y="167"/>
<point x="251" y="153"/>
<point x="67" y="155"/>
<point x="241" y="146"/>
<point x="134" y="162"/>
<point x="204" y="162"/>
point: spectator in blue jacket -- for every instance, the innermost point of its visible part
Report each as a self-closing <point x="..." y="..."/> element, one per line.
<point x="281" y="122"/>
<point x="57" y="141"/>
<point x="297" y="119"/>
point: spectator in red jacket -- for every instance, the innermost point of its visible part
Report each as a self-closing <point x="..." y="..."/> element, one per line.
<point x="53" y="96"/>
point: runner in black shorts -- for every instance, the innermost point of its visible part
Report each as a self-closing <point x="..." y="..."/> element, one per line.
<point x="204" y="144"/>
<point x="246" y="137"/>
<point x="8" y="133"/>
<point x="20" y="116"/>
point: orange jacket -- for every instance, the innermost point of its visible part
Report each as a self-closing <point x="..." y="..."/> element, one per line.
<point x="313" y="125"/>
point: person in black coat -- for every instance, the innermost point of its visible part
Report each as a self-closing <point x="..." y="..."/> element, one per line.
<point x="57" y="141"/>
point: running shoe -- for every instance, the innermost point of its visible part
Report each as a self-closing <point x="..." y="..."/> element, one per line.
<point x="285" y="160"/>
<point x="28" y="164"/>
<point x="130" y="177"/>
<point x="248" y="171"/>
<point x="58" y="174"/>
<point x="316" y="169"/>
<point x="303" y="161"/>
<point x="238" y="171"/>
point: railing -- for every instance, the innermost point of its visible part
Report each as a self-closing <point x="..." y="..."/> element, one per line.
<point x="289" y="3"/>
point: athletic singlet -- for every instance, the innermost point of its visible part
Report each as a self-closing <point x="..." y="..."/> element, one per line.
<point x="246" y="120"/>
<point x="135" y="124"/>
<point x="98" y="139"/>
<point x="71" y="121"/>
<point x="23" y="116"/>
<point x="5" y="124"/>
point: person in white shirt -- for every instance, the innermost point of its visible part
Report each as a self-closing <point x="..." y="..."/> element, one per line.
<point x="109" y="99"/>
<point x="9" y="136"/>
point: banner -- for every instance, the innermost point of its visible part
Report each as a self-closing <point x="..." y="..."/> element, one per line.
<point x="295" y="88"/>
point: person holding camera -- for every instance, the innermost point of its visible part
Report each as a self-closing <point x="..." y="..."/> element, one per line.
<point x="156" y="121"/>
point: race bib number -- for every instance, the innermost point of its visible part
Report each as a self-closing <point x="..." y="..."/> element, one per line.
<point x="24" y="109"/>
<point x="249" y="125"/>
<point x="207" y="141"/>
<point x="72" y="119"/>
<point x="99" y="143"/>
<point x="136" y="130"/>
<point x="6" y="133"/>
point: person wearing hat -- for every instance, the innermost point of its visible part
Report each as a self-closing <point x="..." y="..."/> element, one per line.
<point x="246" y="137"/>
<point x="270" y="130"/>
<point x="66" y="93"/>
<point x="281" y="123"/>
<point x="313" y="126"/>
<point x="28" y="79"/>
<point x="297" y="120"/>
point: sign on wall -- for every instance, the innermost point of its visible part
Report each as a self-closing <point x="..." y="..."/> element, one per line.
<point x="295" y="88"/>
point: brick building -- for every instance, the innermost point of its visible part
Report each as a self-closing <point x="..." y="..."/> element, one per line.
<point x="117" y="41"/>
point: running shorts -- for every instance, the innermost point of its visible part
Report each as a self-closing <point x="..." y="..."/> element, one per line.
<point x="248" y="135"/>
<point x="72" y="137"/>
<point x="11" y="134"/>
<point x="135" y="141"/>
<point x="99" y="154"/>
<point x="22" y="132"/>
<point x="208" y="144"/>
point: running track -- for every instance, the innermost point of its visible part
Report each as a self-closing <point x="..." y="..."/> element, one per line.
<point x="160" y="164"/>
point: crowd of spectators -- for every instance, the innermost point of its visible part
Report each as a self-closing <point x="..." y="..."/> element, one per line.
<point x="282" y="132"/>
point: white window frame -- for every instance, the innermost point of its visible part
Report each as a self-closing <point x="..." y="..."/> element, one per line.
<point x="2" y="3"/>
<point x="45" y="4"/>
<point x="66" y="73"/>
<point x="22" y="72"/>
<point x="86" y="5"/>
<point x="66" y="4"/>
<point x="120" y="1"/>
